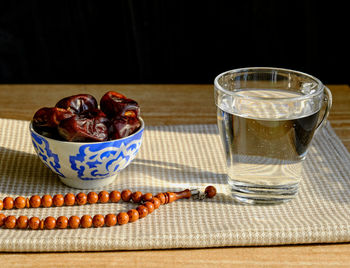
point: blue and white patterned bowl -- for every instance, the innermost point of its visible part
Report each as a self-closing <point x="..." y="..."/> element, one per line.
<point x="87" y="165"/>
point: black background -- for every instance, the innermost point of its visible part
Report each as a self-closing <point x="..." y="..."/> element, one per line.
<point x="169" y="41"/>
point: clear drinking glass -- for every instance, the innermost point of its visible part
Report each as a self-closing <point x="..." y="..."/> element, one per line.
<point x="267" y="118"/>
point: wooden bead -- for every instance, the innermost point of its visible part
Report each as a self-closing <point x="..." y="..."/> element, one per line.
<point x="81" y="199"/>
<point x="103" y="197"/>
<point x="111" y="220"/>
<point x="35" y="201"/>
<point x="133" y="215"/>
<point x="98" y="220"/>
<point x="49" y="223"/>
<point x="92" y="198"/>
<point x="123" y="218"/>
<point x="8" y="202"/>
<point x="10" y="222"/>
<point x="69" y="199"/>
<point x="86" y="221"/>
<point x="20" y="202"/>
<point x="27" y="203"/>
<point x="126" y="195"/>
<point x="136" y="197"/>
<point x="46" y="201"/>
<point x="58" y="200"/>
<point x="161" y="198"/>
<point x="142" y="210"/>
<point x="2" y="219"/>
<point x="171" y="197"/>
<point x="156" y="202"/>
<point x="147" y="197"/>
<point x="74" y="222"/>
<point x="166" y="198"/>
<point x="114" y="196"/>
<point x="1" y="205"/>
<point x="210" y="191"/>
<point x="34" y="223"/>
<point x="150" y="207"/>
<point x="62" y="222"/>
<point x="41" y="224"/>
<point x="22" y="222"/>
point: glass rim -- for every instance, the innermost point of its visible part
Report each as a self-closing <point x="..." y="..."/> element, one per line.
<point x="318" y="91"/>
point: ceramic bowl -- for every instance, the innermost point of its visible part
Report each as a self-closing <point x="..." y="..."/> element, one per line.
<point x="87" y="165"/>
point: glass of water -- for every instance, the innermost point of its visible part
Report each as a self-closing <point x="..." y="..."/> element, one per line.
<point x="267" y="118"/>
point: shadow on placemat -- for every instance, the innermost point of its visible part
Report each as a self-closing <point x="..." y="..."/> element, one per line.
<point x="180" y="173"/>
<point x="22" y="172"/>
<point x="327" y="167"/>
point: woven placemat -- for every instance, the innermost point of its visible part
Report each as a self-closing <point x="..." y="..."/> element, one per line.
<point x="173" y="158"/>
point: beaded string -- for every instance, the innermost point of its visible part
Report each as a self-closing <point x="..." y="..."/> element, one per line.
<point x="147" y="204"/>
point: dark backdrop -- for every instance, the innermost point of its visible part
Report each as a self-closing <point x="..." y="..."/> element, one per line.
<point x="172" y="41"/>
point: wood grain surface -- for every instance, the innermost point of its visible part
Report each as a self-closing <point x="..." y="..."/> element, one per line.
<point x="164" y="105"/>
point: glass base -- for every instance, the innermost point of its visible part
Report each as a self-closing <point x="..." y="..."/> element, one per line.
<point x="262" y="194"/>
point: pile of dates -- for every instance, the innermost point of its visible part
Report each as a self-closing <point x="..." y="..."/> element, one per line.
<point x="77" y="118"/>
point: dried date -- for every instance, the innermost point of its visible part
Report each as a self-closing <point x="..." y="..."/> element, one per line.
<point x="123" y="126"/>
<point x="46" y="120"/>
<point x="114" y="104"/>
<point x="97" y="114"/>
<point x="78" y="103"/>
<point x="83" y="129"/>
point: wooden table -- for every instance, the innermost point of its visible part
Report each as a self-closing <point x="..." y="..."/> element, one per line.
<point x="164" y="105"/>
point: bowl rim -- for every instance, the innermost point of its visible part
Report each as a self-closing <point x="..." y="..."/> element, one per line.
<point x="84" y="143"/>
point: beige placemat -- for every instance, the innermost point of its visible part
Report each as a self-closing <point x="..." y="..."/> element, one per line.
<point x="174" y="158"/>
